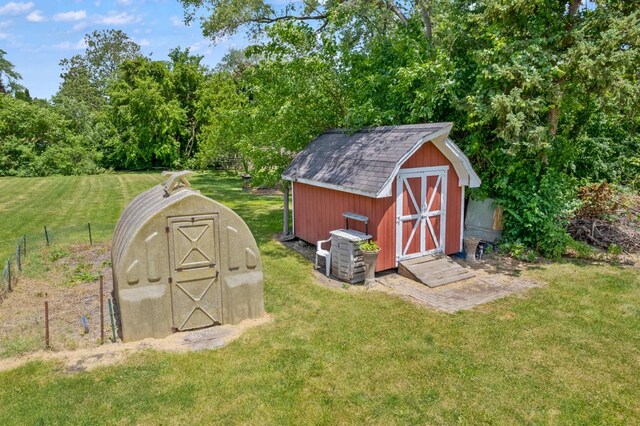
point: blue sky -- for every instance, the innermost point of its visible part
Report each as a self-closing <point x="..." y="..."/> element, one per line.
<point x="37" y="34"/>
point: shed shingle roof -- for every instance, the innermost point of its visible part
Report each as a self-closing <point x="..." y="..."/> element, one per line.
<point x="363" y="162"/>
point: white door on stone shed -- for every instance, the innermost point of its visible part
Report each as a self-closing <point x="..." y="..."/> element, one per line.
<point x="421" y="199"/>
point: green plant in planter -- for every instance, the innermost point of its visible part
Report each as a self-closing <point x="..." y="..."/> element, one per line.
<point x="369" y="246"/>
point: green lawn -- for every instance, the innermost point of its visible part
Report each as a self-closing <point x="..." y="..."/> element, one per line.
<point x="65" y="204"/>
<point x="565" y="353"/>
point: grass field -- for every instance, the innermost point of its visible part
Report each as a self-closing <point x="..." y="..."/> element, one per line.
<point x="65" y="204"/>
<point x="565" y="353"/>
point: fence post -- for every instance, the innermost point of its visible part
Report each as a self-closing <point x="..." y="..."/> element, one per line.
<point x="90" y="238"/>
<point x="46" y="235"/>
<point x="18" y="260"/>
<point x="9" y="272"/>
<point x="46" y="325"/>
<point x="24" y="243"/>
<point x="101" y="309"/>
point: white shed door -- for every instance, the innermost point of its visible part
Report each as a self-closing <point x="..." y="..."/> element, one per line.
<point x="420" y="211"/>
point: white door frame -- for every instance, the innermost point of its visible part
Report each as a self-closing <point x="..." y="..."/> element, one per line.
<point x="424" y="211"/>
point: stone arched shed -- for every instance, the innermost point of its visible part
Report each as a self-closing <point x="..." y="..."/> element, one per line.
<point x="183" y="261"/>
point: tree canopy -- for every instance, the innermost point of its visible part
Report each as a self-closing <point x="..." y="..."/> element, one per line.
<point x="544" y="94"/>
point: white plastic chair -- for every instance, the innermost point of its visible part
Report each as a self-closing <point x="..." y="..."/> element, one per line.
<point x="320" y="252"/>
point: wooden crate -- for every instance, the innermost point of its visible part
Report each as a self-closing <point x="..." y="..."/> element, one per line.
<point x="346" y="258"/>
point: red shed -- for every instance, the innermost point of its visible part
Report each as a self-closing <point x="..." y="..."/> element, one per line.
<point x="408" y="180"/>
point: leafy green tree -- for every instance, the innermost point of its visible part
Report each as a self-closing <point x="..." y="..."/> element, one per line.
<point x="145" y="117"/>
<point x="188" y="76"/>
<point x="88" y="75"/>
<point x="531" y="104"/>
<point x="225" y="120"/>
<point x="544" y="93"/>
<point x="271" y="110"/>
<point x="8" y="75"/>
<point x="36" y="141"/>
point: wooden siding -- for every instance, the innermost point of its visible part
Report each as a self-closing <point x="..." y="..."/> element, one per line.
<point x="319" y="210"/>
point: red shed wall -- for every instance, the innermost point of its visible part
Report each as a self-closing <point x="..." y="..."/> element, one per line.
<point x="317" y="211"/>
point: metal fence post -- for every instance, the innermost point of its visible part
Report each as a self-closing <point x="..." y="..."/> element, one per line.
<point x="90" y="238"/>
<point x="101" y="309"/>
<point x="18" y="260"/>
<point x="46" y="325"/>
<point x="9" y="272"/>
<point x="46" y="235"/>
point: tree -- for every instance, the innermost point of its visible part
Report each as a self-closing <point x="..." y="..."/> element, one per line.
<point x="271" y="110"/>
<point x="228" y="16"/>
<point x="188" y="76"/>
<point x="83" y="92"/>
<point x="36" y="141"/>
<point x="530" y="107"/>
<point x="8" y="75"/>
<point x="87" y="76"/>
<point x="146" y="119"/>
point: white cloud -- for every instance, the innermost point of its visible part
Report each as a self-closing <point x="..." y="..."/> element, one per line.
<point x="67" y="45"/>
<point x="73" y="15"/>
<point x="143" y="42"/>
<point x="177" y="22"/>
<point x="5" y="24"/>
<point x="80" y="26"/>
<point x="12" y="8"/>
<point x="203" y="46"/>
<point x="124" y="2"/>
<point x="114" y="18"/>
<point x="4" y="36"/>
<point x="36" y="16"/>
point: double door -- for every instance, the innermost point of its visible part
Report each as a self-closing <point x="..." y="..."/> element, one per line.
<point x="421" y="197"/>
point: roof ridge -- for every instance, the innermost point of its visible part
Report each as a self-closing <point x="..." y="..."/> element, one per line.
<point x="389" y="128"/>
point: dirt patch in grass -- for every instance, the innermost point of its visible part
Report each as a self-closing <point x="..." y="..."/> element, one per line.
<point x="68" y="279"/>
<point x="86" y="359"/>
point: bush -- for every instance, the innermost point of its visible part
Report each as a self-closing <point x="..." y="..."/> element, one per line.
<point x="36" y="141"/>
<point x="537" y="209"/>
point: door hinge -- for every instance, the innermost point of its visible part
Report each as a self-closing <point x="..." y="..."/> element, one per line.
<point x="166" y="229"/>
<point x="170" y="280"/>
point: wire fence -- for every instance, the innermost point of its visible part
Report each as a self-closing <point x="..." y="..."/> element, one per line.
<point x="15" y="252"/>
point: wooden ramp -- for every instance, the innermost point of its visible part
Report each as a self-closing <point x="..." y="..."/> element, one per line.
<point x="433" y="270"/>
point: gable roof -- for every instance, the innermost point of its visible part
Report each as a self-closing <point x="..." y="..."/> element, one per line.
<point x="367" y="162"/>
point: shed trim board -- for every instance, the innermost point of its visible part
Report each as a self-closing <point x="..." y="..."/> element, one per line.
<point x="337" y="188"/>
<point x="462" y="220"/>
<point x="424" y="213"/>
<point x="293" y="216"/>
<point x="386" y="189"/>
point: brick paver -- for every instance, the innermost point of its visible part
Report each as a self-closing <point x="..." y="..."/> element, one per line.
<point x="457" y="296"/>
